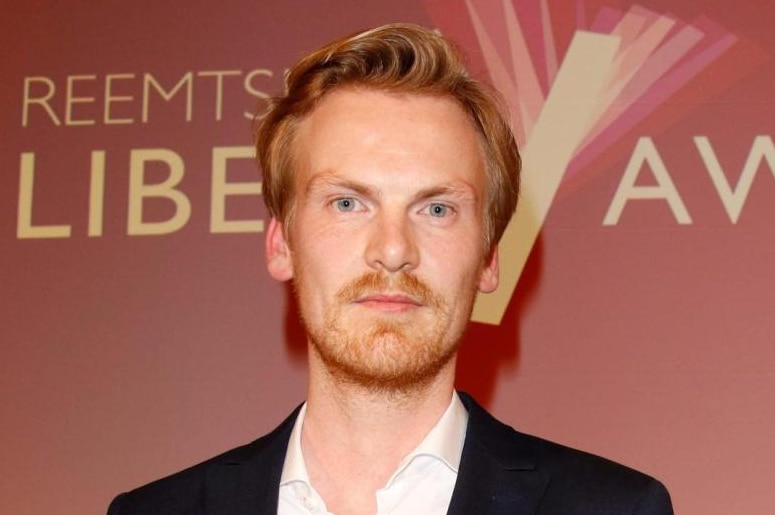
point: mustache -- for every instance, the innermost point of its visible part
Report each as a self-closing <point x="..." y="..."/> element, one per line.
<point x="374" y="283"/>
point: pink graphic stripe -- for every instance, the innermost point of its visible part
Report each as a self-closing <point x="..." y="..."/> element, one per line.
<point x="606" y="20"/>
<point x="663" y="60"/>
<point x="631" y="25"/>
<point x="656" y="83"/>
<point x="581" y="14"/>
<point x="550" y="47"/>
<point x="499" y="73"/>
<point x="631" y="61"/>
<point x="531" y="98"/>
<point x="654" y="97"/>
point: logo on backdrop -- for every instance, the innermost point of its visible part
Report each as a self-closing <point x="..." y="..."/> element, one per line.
<point x="126" y="101"/>
<point x="617" y="68"/>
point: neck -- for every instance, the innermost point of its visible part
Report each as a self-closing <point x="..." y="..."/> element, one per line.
<point x="354" y="438"/>
<point x="342" y="413"/>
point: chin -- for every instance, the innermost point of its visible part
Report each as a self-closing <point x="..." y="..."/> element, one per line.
<point x="386" y="359"/>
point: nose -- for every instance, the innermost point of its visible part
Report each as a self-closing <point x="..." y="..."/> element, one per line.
<point x="392" y="246"/>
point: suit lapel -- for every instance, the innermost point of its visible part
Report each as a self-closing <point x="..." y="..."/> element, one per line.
<point x="249" y="482"/>
<point x="498" y="474"/>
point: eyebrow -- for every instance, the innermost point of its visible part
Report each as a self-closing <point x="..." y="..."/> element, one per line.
<point x="458" y="189"/>
<point x="324" y="179"/>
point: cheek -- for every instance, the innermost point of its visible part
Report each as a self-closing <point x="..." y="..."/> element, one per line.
<point x="457" y="280"/>
<point x="320" y="269"/>
<point x="445" y="272"/>
<point x="454" y="255"/>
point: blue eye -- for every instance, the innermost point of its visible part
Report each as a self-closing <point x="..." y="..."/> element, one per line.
<point x="345" y="204"/>
<point x="438" y="210"/>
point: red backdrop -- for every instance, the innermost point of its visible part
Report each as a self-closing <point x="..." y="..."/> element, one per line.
<point x="141" y="333"/>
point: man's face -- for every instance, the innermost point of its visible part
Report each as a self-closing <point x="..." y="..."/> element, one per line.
<point x="385" y="245"/>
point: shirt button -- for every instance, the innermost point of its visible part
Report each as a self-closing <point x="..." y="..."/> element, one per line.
<point x="310" y="503"/>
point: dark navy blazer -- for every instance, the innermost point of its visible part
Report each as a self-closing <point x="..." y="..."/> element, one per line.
<point x="502" y="472"/>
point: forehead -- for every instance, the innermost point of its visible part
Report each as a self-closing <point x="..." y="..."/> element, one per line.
<point x="360" y="132"/>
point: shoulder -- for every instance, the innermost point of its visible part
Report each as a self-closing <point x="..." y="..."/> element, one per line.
<point x="579" y="478"/>
<point x="573" y="478"/>
<point x="186" y="491"/>
<point x="177" y="493"/>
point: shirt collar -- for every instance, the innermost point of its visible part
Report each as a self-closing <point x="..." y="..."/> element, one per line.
<point x="444" y="442"/>
<point x="294" y="468"/>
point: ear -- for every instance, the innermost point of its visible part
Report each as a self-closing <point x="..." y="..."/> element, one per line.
<point x="488" y="278"/>
<point x="278" y="253"/>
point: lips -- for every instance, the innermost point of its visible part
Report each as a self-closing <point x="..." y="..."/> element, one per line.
<point x="402" y="292"/>
<point x="389" y="302"/>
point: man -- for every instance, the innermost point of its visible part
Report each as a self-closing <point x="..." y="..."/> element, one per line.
<point x="390" y="175"/>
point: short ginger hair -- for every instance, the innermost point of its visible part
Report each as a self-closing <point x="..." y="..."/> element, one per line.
<point x="401" y="58"/>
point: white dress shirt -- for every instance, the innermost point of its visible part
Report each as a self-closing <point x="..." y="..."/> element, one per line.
<point x="423" y="482"/>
